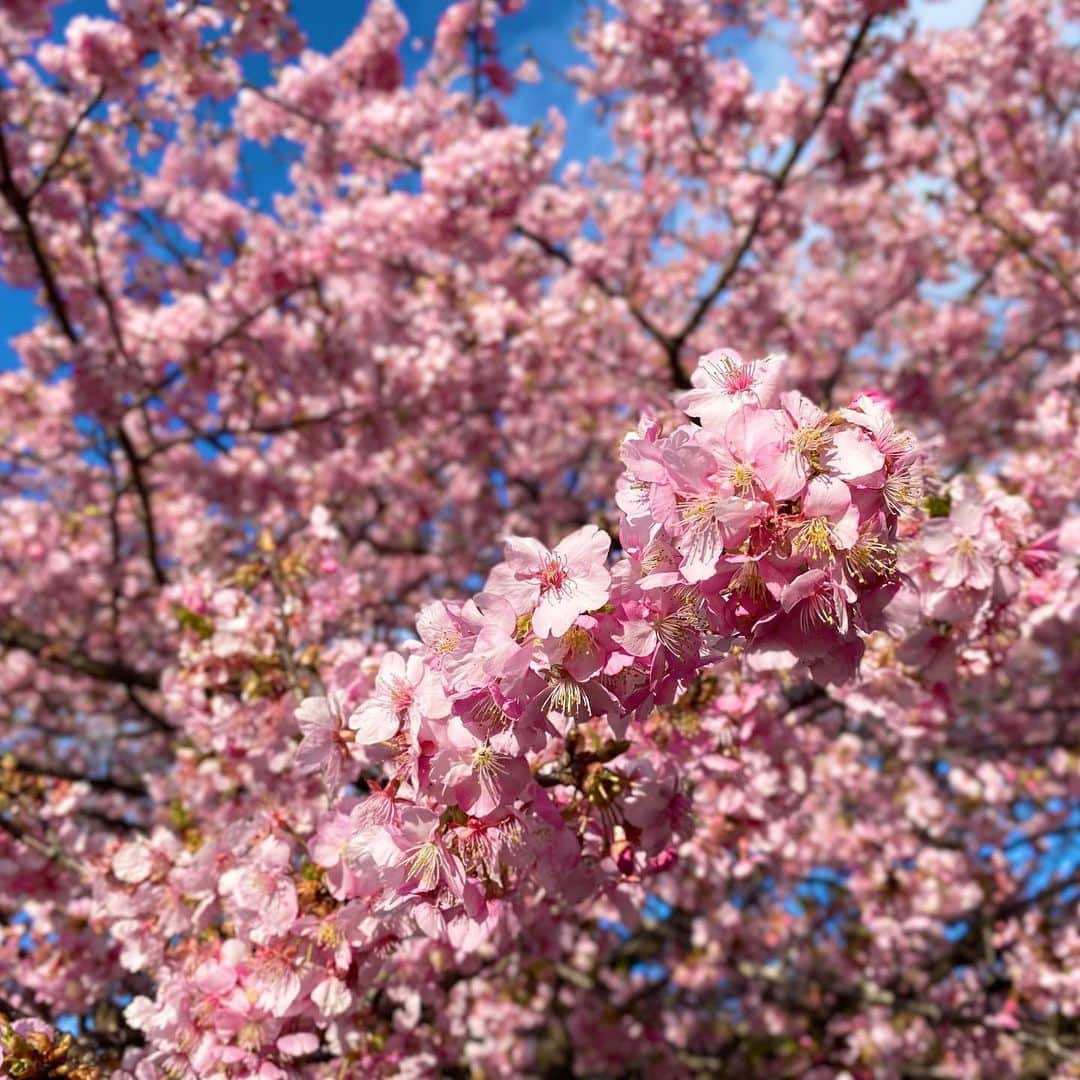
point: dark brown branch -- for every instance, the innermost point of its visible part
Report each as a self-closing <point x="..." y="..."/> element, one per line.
<point x="668" y="344"/>
<point x="65" y="144"/>
<point x="222" y="339"/>
<point x="68" y="657"/>
<point x="145" y="505"/>
<point x="101" y="783"/>
<point x="145" y="711"/>
<point x="142" y="490"/>
<point x="42" y="847"/>
<point x="731" y="267"/>
<point x="19" y="205"/>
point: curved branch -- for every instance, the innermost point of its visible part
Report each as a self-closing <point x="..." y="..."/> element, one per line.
<point x="671" y="349"/>
<point x="19" y="205"/>
<point x="731" y="267"/>
<point x="146" y="507"/>
<point x="67" y="657"/>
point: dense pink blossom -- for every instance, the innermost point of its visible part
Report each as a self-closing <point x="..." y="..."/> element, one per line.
<point x="375" y="705"/>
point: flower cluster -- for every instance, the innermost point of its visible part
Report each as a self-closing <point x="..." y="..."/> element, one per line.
<point x="780" y="518"/>
<point x="769" y="524"/>
<point x="244" y="440"/>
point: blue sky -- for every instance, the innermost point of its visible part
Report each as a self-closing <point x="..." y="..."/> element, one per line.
<point x="543" y="27"/>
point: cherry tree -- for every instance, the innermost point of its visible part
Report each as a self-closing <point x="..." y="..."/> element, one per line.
<point x="484" y="612"/>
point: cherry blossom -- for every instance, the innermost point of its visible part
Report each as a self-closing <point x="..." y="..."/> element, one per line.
<point x="429" y="648"/>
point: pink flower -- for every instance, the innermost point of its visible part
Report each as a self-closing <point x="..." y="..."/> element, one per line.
<point x="276" y="980"/>
<point x="724" y="382"/>
<point x="655" y="806"/>
<point x="661" y="620"/>
<point x="496" y="652"/>
<point x="262" y="888"/>
<point x="482" y="775"/>
<point x="331" y="997"/>
<point x="415" y="856"/>
<point x="556" y="586"/>
<point x="324" y="745"/>
<point x="960" y="547"/>
<point x="853" y="457"/>
<point x="405" y="690"/>
<point x="875" y="417"/>
<point x="830" y="520"/>
<point x="816" y="599"/>
<point x="709" y="517"/>
<point x="752" y="458"/>
<point x="810" y="432"/>
<point x="644" y="490"/>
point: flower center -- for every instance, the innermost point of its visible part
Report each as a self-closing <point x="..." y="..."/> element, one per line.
<point x="902" y="488"/>
<point x="554" y="577"/>
<point x="250" y="1036"/>
<point x="735" y="378"/>
<point x="577" y="640"/>
<point x="678" y="632"/>
<point x="809" y="442"/>
<point x="565" y="694"/>
<point x="815" y="537"/>
<point x="818" y="609"/>
<point x="447" y="643"/>
<point x="870" y="558"/>
<point x="485" y="764"/>
<point x="425" y="864"/>
<point x="749" y="582"/>
<point x="702" y="524"/>
<point x="330" y="935"/>
<point x="401" y="696"/>
<point x="742" y="479"/>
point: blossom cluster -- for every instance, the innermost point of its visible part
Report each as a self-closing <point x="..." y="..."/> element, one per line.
<point x="781" y="517"/>
<point x="245" y="439"/>
<point x="763" y="523"/>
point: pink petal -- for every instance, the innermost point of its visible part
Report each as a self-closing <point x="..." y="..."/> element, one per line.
<point x="298" y="1044"/>
<point x="637" y="637"/>
<point x="803" y="586"/>
<point x="584" y="549"/>
<point x="314" y="713"/>
<point x="279" y="992"/>
<point x="783" y="475"/>
<point x="855" y="457"/>
<point x="132" y="863"/>
<point x="524" y="555"/>
<point x="845" y="532"/>
<point x="826" y="497"/>
<point x="373" y="723"/>
<point x="521" y="593"/>
<point x="331" y="996"/>
<point x="555" y="613"/>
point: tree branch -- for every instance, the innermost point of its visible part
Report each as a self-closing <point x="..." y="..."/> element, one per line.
<point x="19" y="205"/>
<point x="70" y="658"/>
<point x="146" y="506"/>
<point x="731" y="267"/>
<point x="678" y="376"/>
<point x="59" y="772"/>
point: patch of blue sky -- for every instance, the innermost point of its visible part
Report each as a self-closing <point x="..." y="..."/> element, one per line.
<point x="649" y="970"/>
<point x="614" y="927"/>
<point x="655" y="908"/>
<point x="955" y="930"/>
<point x="499" y="486"/>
